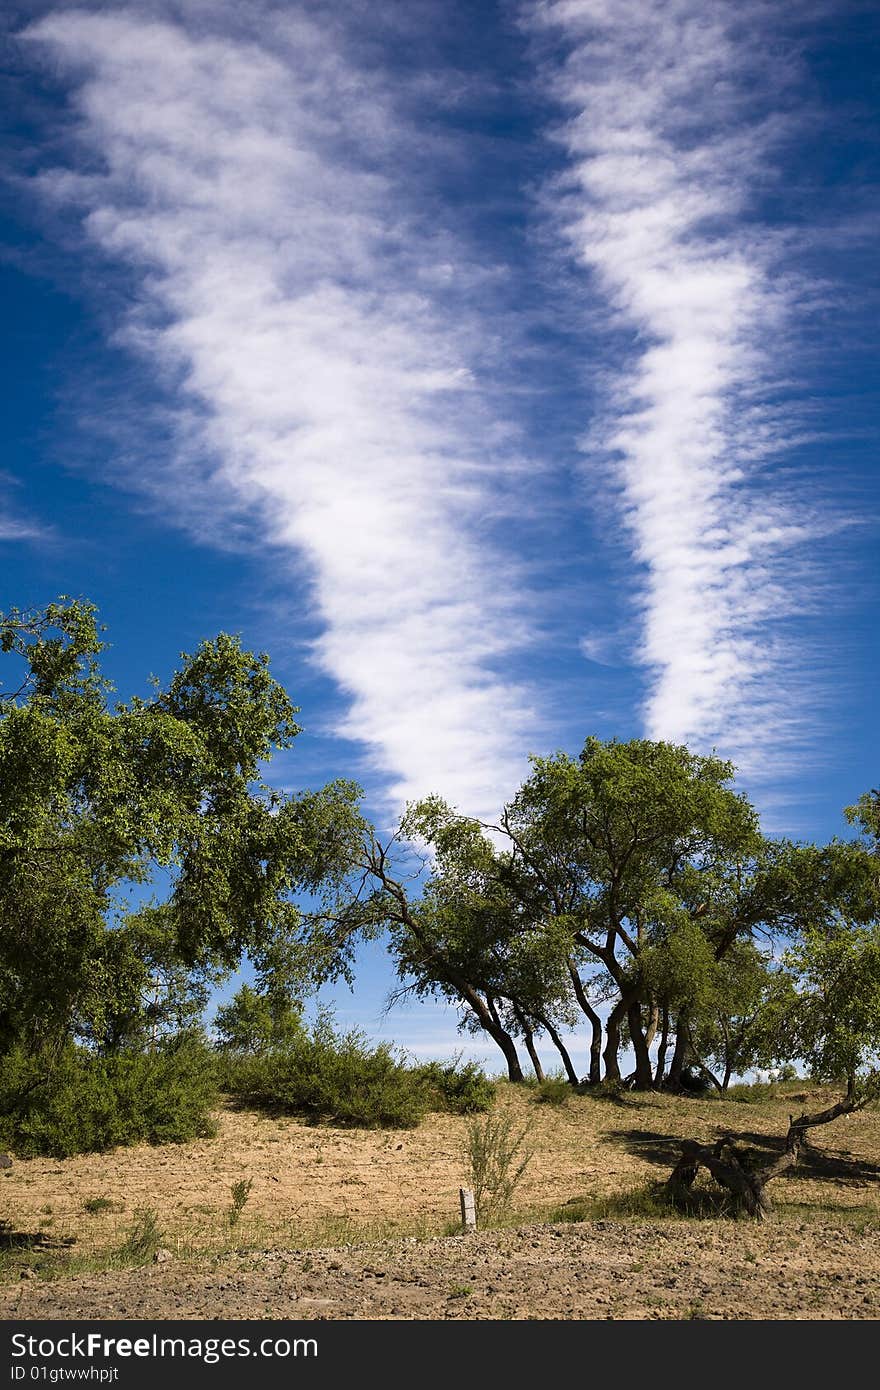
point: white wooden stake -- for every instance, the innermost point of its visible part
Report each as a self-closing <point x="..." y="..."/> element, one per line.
<point x="468" y="1209"/>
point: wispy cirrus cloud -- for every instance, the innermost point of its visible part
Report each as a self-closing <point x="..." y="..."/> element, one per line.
<point x="17" y="525"/>
<point x="675" y="112"/>
<point x="249" y="174"/>
<point x="14" y="528"/>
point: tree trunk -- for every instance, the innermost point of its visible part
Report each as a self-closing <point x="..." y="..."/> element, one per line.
<point x="728" y="1165"/>
<point x="530" y="1049"/>
<point x="508" y="1047"/>
<point x="653" y="1023"/>
<point x="661" y="1048"/>
<point x="612" y="1041"/>
<point x="705" y="1069"/>
<point x="644" y="1076"/>
<point x="679" y="1053"/>
<point x="727" y="1168"/>
<point x="580" y="994"/>
<point x="488" y="1016"/>
<point x="562" y="1050"/>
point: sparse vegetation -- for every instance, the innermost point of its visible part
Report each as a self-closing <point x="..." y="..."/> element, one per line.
<point x="496" y="1161"/>
<point x="142" y="1239"/>
<point x="93" y="1205"/>
<point x="554" y="1090"/>
<point x="240" y="1192"/>
<point x="595" y="1161"/>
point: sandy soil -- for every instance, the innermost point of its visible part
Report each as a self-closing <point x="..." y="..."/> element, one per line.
<point x="347" y="1223"/>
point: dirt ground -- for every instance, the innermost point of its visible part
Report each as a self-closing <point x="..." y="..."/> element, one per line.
<point x="602" y="1269"/>
<point x="359" y="1224"/>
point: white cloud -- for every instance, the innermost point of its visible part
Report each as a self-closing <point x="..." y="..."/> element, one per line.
<point x="16" y="526"/>
<point x="288" y="287"/>
<point x="14" y="529"/>
<point x="672" y="129"/>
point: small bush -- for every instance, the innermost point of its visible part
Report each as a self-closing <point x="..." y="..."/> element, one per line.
<point x="240" y="1192"/>
<point x="461" y="1088"/>
<point x="495" y="1163"/>
<point x="554" y="1090"/>
<point x="95" y="1204"/>
<point x="609" y="1089"/>
<point x="751" y="1093"/>
<point x="82" y="1103"/>
<point x="143" y="1238"/>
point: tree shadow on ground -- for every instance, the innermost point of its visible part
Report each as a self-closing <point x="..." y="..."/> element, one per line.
<point x="662" y="1149"/>
<point x="823" y="1165"/>
<point x="815" y="1161"/>
<point x="32" y="1240"/>
<point x="624" y="1099"/>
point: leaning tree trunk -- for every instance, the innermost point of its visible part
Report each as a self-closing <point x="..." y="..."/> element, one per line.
<point x="730" y="1167"/>
<point x="528" y="1033"/>
<point x="511" y="1057"/>
<point x="529" y="1039"/>
<point x="561" y="1049"/>
<point x="580" y="994"/>
<point x="727" y="1166"/>
<point x="488" y="1016"/>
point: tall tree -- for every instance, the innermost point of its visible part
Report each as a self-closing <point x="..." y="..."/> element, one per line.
<point x="619" y="848"/>
<point x="163" y="793"/>
<point x="825" y="1010"/>
<point x="594" y="861"/>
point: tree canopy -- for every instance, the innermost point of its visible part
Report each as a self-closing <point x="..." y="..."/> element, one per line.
<point x="632" y="882"/>
<point x="103" y="804"/>
<point x="142" y="854"/>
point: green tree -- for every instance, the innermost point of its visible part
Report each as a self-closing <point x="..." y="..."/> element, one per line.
<point x="164" y="793"/>
<point x="596" y="861"/>
<point x="623" y="846"/>
<point x="253" y="1022"/>
<point x="728" y="1007"/>
<point x="824" y="1005"/>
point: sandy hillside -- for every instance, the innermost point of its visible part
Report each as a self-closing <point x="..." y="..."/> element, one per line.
<point x="355" y="1224"/>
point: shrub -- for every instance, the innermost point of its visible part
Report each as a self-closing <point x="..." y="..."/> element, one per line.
<point x="95" y="1204"/>
<point x="751" y="1092"/>
<point x="610" y="1088"/>
<point x="331" y="1076"/>
<point x="78" y="1102"/>
<point x="143" y="1238"/>
<point x="240" y="1192"/>
<point x="496" y="1162"/>
<point x="461" y="1088"/>
<point x="554" y="1090"/>
<point x="341" y="1078"/>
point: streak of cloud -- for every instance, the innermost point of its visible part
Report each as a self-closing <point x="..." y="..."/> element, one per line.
<point x="15" y="525"/>
<point x="288" y="292"/>
<point x="674" y="112"/>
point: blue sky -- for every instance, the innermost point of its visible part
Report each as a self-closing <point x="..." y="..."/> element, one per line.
<point x="507" y="371"/>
